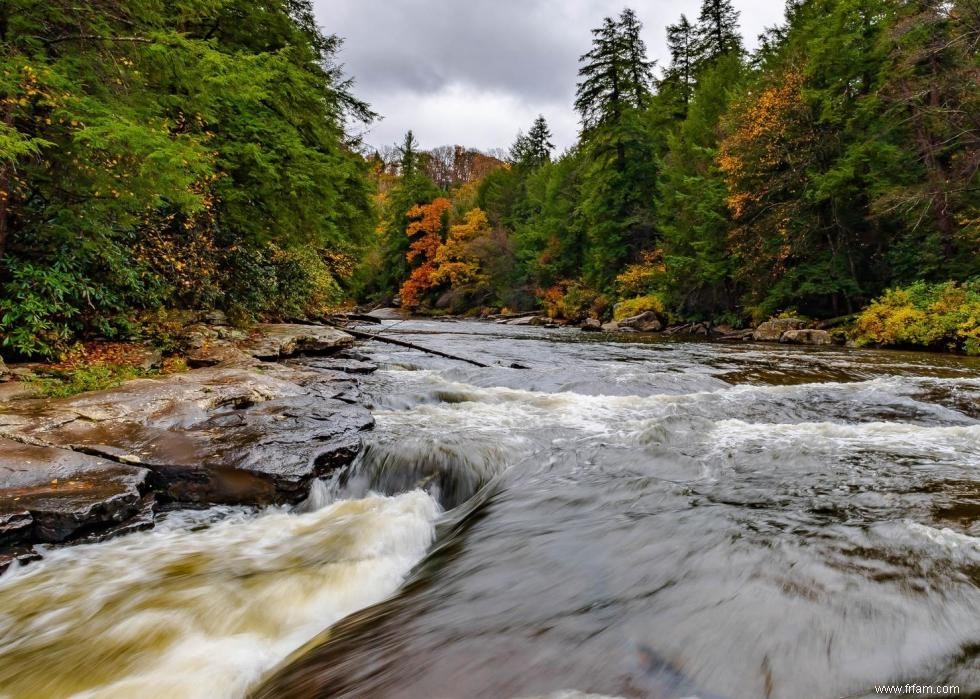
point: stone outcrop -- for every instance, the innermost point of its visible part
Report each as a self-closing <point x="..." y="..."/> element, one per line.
<point x="610" y="327"/>
<point x="274" y="342"/>
<point x="50" y="495"/>
<point x="592" y="325"/>
<point x="648" y="322"/>
<point x="807" y="337"/>
<point x="241" y="432"/>
<point x="772" y="330"/>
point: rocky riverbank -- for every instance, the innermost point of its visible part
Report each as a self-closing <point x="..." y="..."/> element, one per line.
<point x="793" y="331"/>
<point x="255" y="423"/>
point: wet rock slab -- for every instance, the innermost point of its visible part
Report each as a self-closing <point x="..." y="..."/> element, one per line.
<point x="50" y="495"/>
<point x="212" y="436"/>
<point x="807" y="337"/>
<point x="98" y="464"/>
<point x="773" y="330"/>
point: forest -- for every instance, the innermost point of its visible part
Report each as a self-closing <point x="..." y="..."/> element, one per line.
<point x="202" y="154"/>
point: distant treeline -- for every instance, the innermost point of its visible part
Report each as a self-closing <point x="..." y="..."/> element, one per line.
<point x="201" y="154"/>
<point x="838" y="159"/>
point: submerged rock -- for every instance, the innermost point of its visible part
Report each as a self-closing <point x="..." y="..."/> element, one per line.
<point x="772" y="330"/>
<point x="279" y="341"/>
<point x="807" y="337"/>
<point x="345" y="365"/>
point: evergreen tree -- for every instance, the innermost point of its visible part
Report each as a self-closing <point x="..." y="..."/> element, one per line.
<point x="717" y="31"/>
<point x="408" y="163"/>
<point x="639" y="71"/>
<point x="600" y="96"/>
<point x="533" y="149"/>
<point x="617" y="191"/>
<point x="615" y="74"/>
<point x="180" y="154"/>
<point x="929" y="102"/>
<point x="679" y="78"/>
<point x="692" y="211"/>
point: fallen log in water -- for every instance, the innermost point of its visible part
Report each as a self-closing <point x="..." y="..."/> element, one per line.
<point x="411" y="345"/>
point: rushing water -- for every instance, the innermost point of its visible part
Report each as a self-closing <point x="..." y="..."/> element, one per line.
<point x="655" y="519"/>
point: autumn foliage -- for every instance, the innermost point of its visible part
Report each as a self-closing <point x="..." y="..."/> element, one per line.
<point x="426" y="231"/>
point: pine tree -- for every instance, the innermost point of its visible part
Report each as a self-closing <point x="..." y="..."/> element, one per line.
<point x="618" y="190"/>
<point x="717" y="31"/>
<point x="408" y="164"/>
<point x="599" y="97"/>
<point x="680" y="76"/>
<point x="533" y="149"/>
<point x="931" y="105"/>
<point x="639" y="71"/>
<point x="615" y="74"/>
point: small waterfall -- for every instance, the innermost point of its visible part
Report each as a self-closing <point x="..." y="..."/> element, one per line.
<point x="450" y="470"/>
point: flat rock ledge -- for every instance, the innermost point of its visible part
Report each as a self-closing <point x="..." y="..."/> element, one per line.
<point x="279" y="341"/>
<point x="245" y="433"/>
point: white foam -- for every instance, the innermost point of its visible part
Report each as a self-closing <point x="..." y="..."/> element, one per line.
<point x="202" y="613"/>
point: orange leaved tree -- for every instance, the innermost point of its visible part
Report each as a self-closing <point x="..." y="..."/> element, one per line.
<point x="426" y="233"/>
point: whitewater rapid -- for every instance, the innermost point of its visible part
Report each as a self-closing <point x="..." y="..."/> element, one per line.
<point x="634" y="519"/>
<point x="204" y="604"/>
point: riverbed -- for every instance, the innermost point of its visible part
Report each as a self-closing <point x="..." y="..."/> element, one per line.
<point x="632" y="517"/>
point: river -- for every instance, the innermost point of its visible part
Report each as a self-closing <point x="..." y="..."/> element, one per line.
<point x="630" y="518"/>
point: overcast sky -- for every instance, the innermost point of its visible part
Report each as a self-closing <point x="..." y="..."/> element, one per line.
<point x="474" y="72"/>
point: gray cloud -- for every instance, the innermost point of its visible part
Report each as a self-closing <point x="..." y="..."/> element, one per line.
<point x="476" y="71"/>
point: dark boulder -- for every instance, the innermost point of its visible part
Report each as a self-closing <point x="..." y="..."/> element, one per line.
<point x="807" y="337"/>
<point x="50" y="495"/>
<point x="648" y="322"/>
<point x="772" y="330"/>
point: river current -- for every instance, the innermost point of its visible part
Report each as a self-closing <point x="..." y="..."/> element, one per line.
<point x="629" y="518"/>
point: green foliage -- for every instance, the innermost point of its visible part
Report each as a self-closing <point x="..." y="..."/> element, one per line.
<point x="199" y="153"/>
<point x="693" y="216"/>
<point x="575" y="301"/>
<point x="934" y="316"/>
<point x="144" y="140"/>
<point x="93" y="377"/>
<point x="535" y="148"/>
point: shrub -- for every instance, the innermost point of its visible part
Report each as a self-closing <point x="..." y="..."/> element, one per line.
<point x="938" y="316"/>
<point x="93" y="377"/>
<point x="574" y="301"/>
<point x="641" y="304"/>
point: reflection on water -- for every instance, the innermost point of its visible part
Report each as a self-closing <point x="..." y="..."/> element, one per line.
<point x="622" y="519"/>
